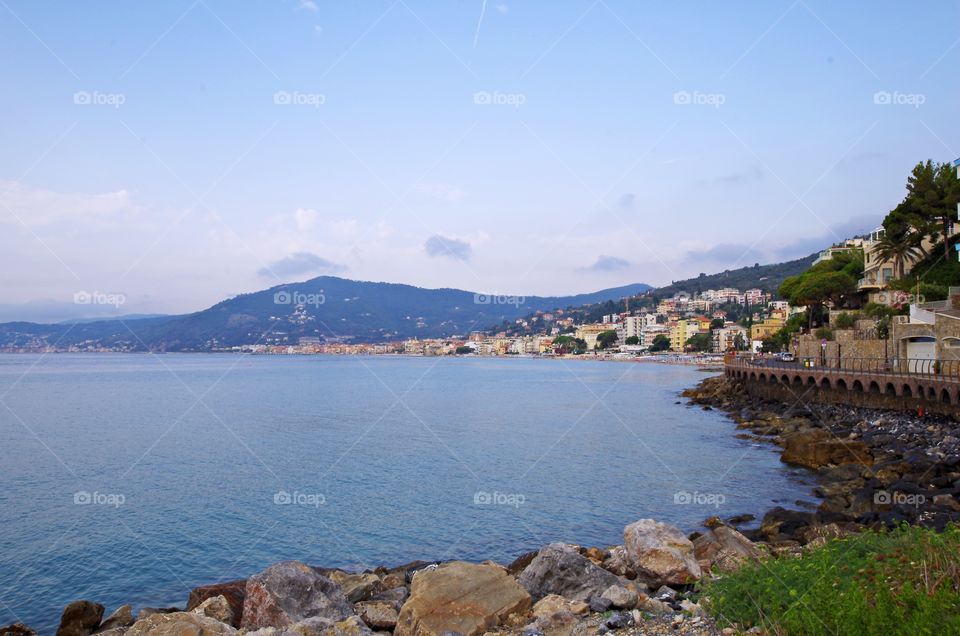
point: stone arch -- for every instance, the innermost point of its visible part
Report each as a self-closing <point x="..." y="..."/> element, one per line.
<point x="753" y="376"/>
<point x="906" y="391"/>
<point x="874" y="387"/>
<point x="811" y="381"/>
<point x="932" y="393"/>
<point x="945" y="396"/>
<point x="785" y="378"/>
<point x="841" y="384"/>
<point x="825" y="383"/>
<point x="763" y="377"/>
<point x="797" y="380"/>
<point x="773" y="379"/>
<point x="858" y="386"/>
<point x="889" y="389"/>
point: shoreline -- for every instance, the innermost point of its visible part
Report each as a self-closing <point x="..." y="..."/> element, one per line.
<point x="665" y="600"/>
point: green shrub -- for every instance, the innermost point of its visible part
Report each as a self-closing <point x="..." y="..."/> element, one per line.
<point x="905" y="581"/>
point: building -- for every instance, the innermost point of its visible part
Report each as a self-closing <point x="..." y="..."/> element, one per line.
<point x="725" y="338"/>
<point x="588" y="333"/>
<point x="681" y="331"/>
<point x="847" y="246"/>
<point x="765" y="329"/>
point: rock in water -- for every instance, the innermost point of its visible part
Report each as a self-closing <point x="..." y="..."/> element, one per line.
<point x="462" y="597"/>
<point x="660" y="553"/>
<point x="233" y="591"/>
<point x="723" y="549"/>
<point x="289" y="592"/>
<point x="17" y="629"/>
<point x="80" y="618"/>
<point x="180" y="624"/>
<point x="560" y="569"/>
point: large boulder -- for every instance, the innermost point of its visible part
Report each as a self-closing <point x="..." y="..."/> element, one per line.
<point x="816" y="447"/>
<point x="80" y="618"/>
<point x="357" y="587"/>
<point x="180" y="624"/>
<point x="233" y="591"/>
<point x="560" y="569"/>
<point x="121" y="618"/>
<point x="660" y="553"/>
<point x="216" y="607"/>
<point x="378" y="614"/>
<point x="290" y="592"/>
<point x="723" y="549"/>
<point x="17" y="629"/>
<point x="460" y="597"/>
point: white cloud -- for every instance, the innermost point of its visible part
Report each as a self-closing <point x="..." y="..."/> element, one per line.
<point x="308" y="5"/>
<point x="442" y="191"/>
<point x="33" y="207"/>
<point x="305" y="218"/>
<point x="503" y="9"/>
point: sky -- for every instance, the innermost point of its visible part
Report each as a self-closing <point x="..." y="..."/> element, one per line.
<point x="160" y="157"/>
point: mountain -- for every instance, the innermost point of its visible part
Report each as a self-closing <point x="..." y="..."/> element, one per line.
<point x="327" y="307"/>
<point x="765" y="277"/>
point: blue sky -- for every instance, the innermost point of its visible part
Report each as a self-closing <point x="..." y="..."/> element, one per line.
<point x="181" y="152"/>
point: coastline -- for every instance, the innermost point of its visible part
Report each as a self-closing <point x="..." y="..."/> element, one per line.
<point x="853" y="465"/>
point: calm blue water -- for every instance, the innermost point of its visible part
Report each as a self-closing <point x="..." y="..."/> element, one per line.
<point x="384" y="458"/>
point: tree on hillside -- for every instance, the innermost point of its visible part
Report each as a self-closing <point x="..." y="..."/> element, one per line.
<point x="900" y="248"/>
<point x="930" y="204"/>
<point x="832" y="282"/>
<point x="700" y="342"/>
<point x="606" y="339"/>
<point x="717" y="323"/>
<point x="660" y="343"/>
<point x="632" y="340"/>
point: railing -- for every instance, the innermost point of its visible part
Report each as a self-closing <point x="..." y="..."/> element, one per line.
<point x="943" y="370"/>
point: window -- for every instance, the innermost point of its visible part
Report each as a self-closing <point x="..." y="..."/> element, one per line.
<point x="887" y="274"/>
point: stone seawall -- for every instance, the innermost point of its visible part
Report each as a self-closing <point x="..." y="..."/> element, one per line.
<point x="912" y="393"/>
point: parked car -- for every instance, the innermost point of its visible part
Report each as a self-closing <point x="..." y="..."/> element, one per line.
<point x="788" y="357"/>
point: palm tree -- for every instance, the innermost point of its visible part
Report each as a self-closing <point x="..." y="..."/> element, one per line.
<point x="899" y="248"/>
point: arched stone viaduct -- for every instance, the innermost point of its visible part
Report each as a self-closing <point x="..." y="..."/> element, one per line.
<point x="886" y="390"/>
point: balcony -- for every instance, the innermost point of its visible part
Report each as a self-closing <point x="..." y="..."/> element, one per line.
<point x="869" y="282"/>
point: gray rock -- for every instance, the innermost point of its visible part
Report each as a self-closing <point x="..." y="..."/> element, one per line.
<point x="80" y="618"/>
<point x="599" y="604"/>
<point x="560" y="569"/>
<point x="121" y="617"/>
<point x="620" y="597"/>
<point x="216" y="607"/>
<point x="179" y="624"/>
<point x="660" y="553"/>
<point x="291" y="592"/>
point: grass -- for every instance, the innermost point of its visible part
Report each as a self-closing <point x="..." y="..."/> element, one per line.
<point x="904" y="581"/>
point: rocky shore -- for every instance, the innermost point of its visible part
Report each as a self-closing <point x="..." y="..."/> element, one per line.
<point x="645" y="586"/>
<point x="874" y="469"/>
